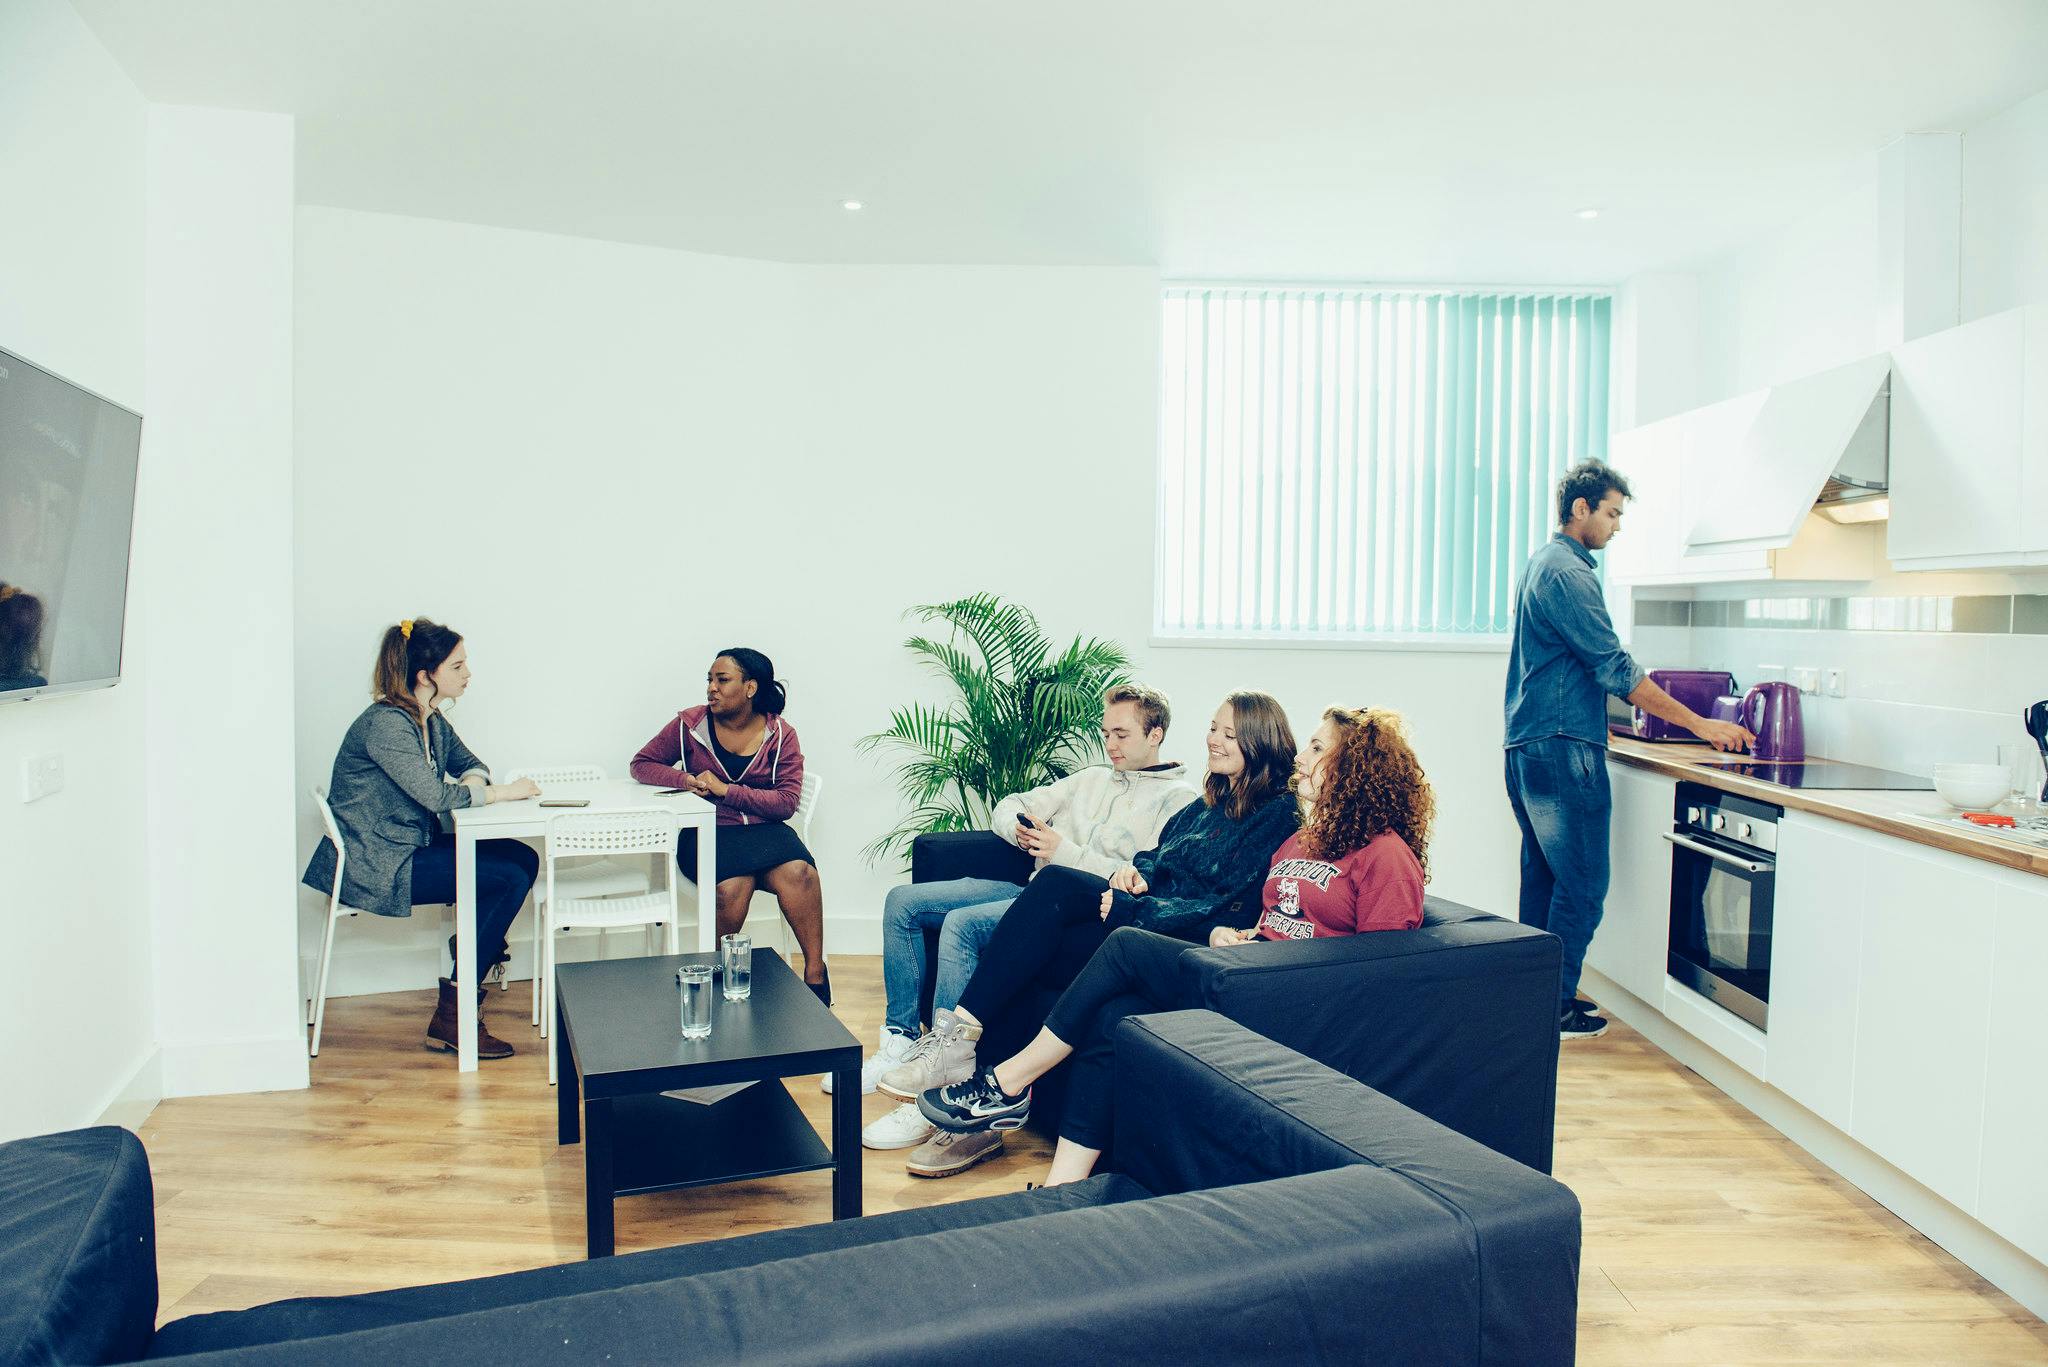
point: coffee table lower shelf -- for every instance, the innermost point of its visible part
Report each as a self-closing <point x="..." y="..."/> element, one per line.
<point x="661" y="1144"/>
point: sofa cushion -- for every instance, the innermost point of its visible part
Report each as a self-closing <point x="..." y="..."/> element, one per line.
<point x="314" y="1317"/>
<point x="78" y="1226"/>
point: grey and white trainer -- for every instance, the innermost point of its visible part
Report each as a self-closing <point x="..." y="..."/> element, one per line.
<point x="943" y="1054"/>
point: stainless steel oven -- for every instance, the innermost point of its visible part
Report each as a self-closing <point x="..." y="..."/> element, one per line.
<point x="1723" y="877"/>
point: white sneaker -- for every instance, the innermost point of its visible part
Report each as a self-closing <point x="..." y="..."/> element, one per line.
<point x="896" y="1047"/>
<point x="903" y="1128"/>
<point x="944" y="1054"/>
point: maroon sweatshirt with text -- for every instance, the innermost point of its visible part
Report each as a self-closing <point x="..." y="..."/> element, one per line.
<point x="1375" y="887"/>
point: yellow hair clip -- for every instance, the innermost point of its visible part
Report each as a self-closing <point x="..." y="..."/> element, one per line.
<point x="7" y="592"/>
<point x="405" y="628"/>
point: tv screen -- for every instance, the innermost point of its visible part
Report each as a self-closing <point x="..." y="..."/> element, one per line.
<point x="67" y="504"/>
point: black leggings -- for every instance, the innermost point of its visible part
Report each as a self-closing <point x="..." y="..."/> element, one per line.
<point x="505" y="870"/>
<point x="1043" y="939"/>
<point x="1134" y="972"/>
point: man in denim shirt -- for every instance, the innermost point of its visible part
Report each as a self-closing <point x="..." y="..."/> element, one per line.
<point x="1564" y="661"/>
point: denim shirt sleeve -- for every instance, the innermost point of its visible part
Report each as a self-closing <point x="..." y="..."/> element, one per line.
<point x="1578" y="615"/>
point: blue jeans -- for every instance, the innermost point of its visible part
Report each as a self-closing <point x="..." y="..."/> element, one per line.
<point x="966" y="911"/>
<point x="1558" y="788"/>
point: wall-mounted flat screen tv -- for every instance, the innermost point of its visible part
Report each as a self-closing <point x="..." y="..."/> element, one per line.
<point x="67" y="507"/>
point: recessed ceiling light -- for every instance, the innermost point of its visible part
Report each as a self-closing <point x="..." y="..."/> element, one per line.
<point x="1589" y="213"/>
<point x="852" y="206"/>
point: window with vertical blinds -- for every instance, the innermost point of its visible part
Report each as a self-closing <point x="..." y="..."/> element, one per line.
<point x="1366" y="464"/>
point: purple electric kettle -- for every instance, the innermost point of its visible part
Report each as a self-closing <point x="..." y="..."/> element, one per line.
<point x="1771" y="711"/>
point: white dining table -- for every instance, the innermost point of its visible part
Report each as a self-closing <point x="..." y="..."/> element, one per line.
<point x="528" y="820"/>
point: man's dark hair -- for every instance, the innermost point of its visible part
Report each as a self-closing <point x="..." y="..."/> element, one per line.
<point x="1590" y="480"/>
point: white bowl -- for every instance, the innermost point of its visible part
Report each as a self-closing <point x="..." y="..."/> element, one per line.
<point x="1972" y="787"/>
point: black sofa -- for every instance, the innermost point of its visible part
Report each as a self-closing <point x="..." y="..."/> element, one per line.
<point x="1264" y="1209"/>
<point x="1457" y="1018"/>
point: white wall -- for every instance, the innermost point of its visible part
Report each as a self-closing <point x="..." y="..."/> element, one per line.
<point x="604" y="463"/>
<point x="76" y="1000"/>
<point x="214" y="550"/>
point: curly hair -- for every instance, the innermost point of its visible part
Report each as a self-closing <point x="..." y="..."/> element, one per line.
<point x="1372" y="782"/>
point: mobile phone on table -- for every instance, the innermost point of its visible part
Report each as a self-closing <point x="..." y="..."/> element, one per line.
<point x="670" y="792"/>
<point x="565" y="802"/>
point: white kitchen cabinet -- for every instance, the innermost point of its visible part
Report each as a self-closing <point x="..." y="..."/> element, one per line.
<point x="2013" y="1193"/>
<point x="1816" y="953"/>
<point x="1923" y="1012"/>
<point x="1630" y="946"/>
<point x="1681" y="465"/>
<point x="1969" y="449"/>
<point x="1647" y="548"/>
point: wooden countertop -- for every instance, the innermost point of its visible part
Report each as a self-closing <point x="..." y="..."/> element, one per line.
<point x="1876" y="811"/>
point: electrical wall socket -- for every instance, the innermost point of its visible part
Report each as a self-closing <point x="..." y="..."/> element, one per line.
<point x="41" y="775"/>
<point x="1835" y="682"/>
<point x="1806" y="678"/>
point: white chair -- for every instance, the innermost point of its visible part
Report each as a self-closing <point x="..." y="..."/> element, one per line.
<point x="316" y="1005"/>
<point x="806" y="811"/>
<point x="591" y="878"/>
<point x="598" y="835"/>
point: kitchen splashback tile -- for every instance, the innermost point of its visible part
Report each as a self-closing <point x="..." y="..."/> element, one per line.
<point x="1982" y="615"/>
<point x="2030" y="613"/>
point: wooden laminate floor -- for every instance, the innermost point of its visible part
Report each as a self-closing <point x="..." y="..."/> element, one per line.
<point x="1708" y="1237"/>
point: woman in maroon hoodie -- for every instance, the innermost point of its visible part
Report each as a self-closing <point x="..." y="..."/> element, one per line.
<point x="737" y="753"/>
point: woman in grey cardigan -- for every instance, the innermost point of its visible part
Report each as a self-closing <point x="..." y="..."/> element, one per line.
<point x="392" y="780"/>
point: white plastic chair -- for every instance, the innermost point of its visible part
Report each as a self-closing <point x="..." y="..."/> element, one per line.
<point x="591" y="878"/>
<point x="806" y="811"/>
<point x="316" y="1005"/>
<point x="597" y="835"/>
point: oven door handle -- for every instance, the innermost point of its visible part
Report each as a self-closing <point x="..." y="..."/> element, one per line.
<point x="1699" y="847"/>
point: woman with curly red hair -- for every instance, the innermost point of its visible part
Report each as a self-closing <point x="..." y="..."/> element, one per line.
<point x="1357" y="864"/>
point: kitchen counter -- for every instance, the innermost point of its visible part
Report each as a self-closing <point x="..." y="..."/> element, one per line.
<point x="1884" y="812"/>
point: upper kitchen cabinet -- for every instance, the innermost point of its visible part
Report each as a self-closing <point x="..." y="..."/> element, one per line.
<point x="1970" y="446"/>
<point x="1687" y="469"/>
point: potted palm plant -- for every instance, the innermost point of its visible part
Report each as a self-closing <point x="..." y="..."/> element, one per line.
<point x="1024" y="713"/>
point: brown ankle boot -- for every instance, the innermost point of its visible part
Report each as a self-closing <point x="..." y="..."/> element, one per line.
<point x="441" y="1029"/>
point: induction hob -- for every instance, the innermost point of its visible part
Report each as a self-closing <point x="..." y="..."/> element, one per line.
<point x="1821" y="774"/>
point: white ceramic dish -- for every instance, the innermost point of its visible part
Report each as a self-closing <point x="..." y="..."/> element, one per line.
<point x="1972" y="787"/>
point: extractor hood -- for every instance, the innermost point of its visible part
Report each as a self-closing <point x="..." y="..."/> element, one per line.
<point x="1821" y="442"/>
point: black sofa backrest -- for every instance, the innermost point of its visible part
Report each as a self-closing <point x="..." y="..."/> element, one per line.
<point x="1350" y="1230"/>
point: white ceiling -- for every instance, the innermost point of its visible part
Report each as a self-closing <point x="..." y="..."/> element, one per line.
<point x="1369" y="139"/>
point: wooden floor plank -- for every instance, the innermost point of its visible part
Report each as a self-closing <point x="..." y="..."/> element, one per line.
<point x="1709" y="1238"/>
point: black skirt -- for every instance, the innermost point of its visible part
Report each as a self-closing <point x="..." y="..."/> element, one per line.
<point x="746" y="851"/>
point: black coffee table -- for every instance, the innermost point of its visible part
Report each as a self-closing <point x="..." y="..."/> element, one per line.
<point x="619" y="1044"/>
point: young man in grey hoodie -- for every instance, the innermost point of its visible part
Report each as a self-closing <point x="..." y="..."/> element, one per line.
<point x="1096" y="820"/>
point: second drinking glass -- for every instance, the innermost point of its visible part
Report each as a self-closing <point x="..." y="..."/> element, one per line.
<point x="736" y="961"/>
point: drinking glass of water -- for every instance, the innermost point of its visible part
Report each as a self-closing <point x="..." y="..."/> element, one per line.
<point x="694" y="980"/>
<point x="736" y="961"/>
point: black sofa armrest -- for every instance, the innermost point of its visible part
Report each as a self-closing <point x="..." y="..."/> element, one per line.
<point x="945" y="855"/>
<point x="78" y="1234"/>
<point x="1457" y="1019"/>
<point x="1202" y="1102"/>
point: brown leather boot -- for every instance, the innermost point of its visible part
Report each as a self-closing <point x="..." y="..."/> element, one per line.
<point x="441" y="1029"/>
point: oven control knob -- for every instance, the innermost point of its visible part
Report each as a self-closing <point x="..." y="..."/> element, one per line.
<point x="1746" y="831"/>
<point x="1720" y="822"/>
<point x="1692" y="816"/>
